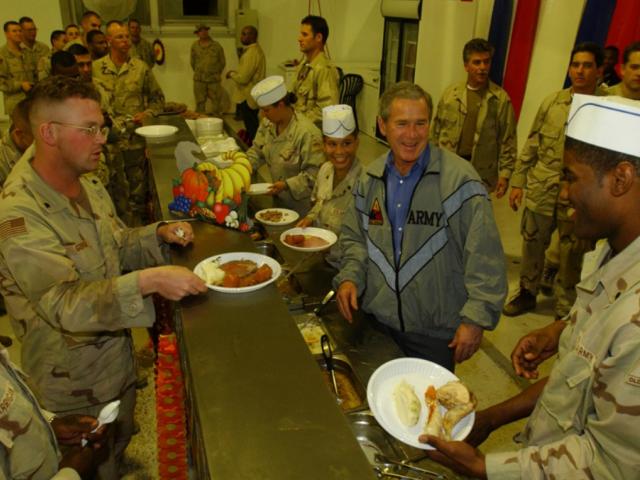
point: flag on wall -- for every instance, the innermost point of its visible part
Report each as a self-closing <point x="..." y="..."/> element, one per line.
<point x="523" y="37"/>
<point x="499" y="34"/>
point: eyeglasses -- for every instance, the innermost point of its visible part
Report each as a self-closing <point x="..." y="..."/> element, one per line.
<point x="92" y="131"/>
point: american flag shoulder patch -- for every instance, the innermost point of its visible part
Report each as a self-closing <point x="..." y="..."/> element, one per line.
<point x="13" y="227"/>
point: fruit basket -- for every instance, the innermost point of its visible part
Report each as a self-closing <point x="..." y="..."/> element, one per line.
<point x="213" y="192"/>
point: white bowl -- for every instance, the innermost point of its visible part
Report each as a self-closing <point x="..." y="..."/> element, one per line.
<point x="228" y="257"/>
<point x="326" y="235"/>
<point x="156" y="131"/>
<point x="209" y="126"/>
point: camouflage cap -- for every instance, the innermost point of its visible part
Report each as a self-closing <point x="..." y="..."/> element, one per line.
<point x="200" y="26"/>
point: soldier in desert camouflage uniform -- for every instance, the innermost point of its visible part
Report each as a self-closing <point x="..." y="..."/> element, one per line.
<point x="316" y="84"/>
<point x="288" y="143"/>
<point x="17" y="73"/>
<point x="539" y="169"/>
<point x="207" y="62"/>
<point x="15" y="141"/>
<point x="475" y="119"/>
<point x="140" y="48"/>
<point x="585" y="416"/>
<point x="129" y="94"/>
<point x="62" y="254"/>
<point x="27" y="429"/>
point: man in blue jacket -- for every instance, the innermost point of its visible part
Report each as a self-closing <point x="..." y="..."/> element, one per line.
<point x="420" y="244"/>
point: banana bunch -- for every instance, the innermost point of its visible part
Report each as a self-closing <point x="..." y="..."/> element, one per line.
<point x="234" y="179"/>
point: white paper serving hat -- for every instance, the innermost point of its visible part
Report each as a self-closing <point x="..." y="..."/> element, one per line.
<point x="338" y="121"/>
<point x="269" y="91"/>
<point x="607" y="122"/>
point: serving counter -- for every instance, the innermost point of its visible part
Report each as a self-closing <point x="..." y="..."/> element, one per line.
<point x="258" y="406"/>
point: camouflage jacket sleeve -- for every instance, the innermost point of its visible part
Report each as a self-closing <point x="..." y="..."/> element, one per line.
<point x="70" y="288"/>
<point x="192" y="57"/>
<point x="256" y="153"/>
<point x="7" y="83"/>
<point x="508" y="139"/>
<point x="609" y="444"/>
<point x="352" y="241"/>
<point x="529" y="154"/>
<point x="311" y="157"/>
<point x="153" y="92"/>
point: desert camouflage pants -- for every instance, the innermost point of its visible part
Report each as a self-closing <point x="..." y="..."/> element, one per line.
<point x="212" y="91"/>
<point x="536" y="233"/>
<point x="119" y="434"/>
<point x="118" y="187"/>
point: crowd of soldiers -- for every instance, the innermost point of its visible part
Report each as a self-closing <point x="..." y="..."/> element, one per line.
<point x="451" y="163"/>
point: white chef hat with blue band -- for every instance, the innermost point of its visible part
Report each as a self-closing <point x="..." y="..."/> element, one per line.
<point x="269" y="91"/>
<point x="607" y="122"/>
<point x="338" y="121"/>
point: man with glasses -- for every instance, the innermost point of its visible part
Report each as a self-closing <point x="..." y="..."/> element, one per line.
<point x="36" y="48"/>
<point x="62" y="253"/>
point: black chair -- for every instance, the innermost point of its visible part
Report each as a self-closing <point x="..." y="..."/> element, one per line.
<point x="350" y="86"/>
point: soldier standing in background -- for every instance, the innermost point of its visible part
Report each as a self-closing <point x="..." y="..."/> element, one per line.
<point x="207" y="62"/>
<point x="475" y="119"/>
<point x="539" y="169"/>
<point x="17" y="74"/>
<point x="140" y="48"/>
<point x="90" y="21"/>
<point x="316" y="85"/>
<point x="629" y="87"/>
<point x="250" y="71"/>
<point x="58" y="41"/>
<point x="72" y="32"/>
<point x="16" y="140"/>
<point x="36" y="48"/>
<point x="70" y="304"/>
<point x="97" y="44"/>
<point x="129" y="93"/>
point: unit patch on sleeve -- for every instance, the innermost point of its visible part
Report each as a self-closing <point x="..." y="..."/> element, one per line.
<point x="375" y="214"/>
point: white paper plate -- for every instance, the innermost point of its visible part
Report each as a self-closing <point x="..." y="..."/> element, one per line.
<point x="288" y="216"/>
<point x="228" y="257"/>
<point x="259" y="188"/>
<point x="156" y="131"/>
<point x="420" y="374"/>
<point x="327" y="235"/>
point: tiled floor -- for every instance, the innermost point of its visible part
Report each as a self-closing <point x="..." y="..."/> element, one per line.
<point x="488" y="373"/>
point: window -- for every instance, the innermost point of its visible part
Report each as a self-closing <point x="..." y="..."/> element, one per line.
<point x="72" y="11"/>
<point x="176" y="13"/>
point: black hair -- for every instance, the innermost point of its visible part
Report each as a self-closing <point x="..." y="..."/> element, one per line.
<point x="25" y="20"/>
<point x="92" y="34"/>
<point x="9" y="23"/>
<point x="601" y="160"/>
<point x="77" y="49"/>
<point x="318" y="25"/>
<point x="592" y="48"/>
<point x="476" y="45"/>
<point x="62" y="59"/>
<point x="55" y="35"/>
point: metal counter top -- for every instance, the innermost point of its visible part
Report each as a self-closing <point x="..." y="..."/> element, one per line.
<point x="261" y="406"/>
